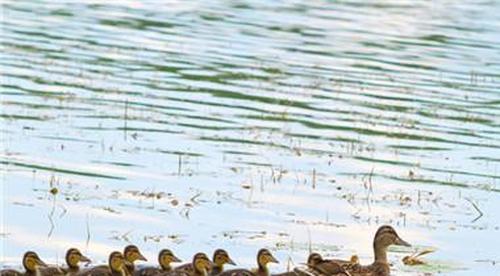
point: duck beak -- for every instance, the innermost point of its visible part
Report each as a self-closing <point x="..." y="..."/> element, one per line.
<point x="175" y="259"/>
<point x="401" y="242"/>
<point x="141" y="257"/>
<point x="230" y="261"/>
<point x="41" y="263"/>
<point x="272" y="259"/>
<point x="85" y="259"/>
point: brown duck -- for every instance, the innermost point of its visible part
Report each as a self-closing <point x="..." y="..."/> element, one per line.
<point x="201" y="266"/>
<point x="132" y="254"/>
<point x="73" y="257"/>
<point x="165" y="258"/>
<point x="115" y="267"/>
<point x="263" y="258"/>
<point x="220" y="258"/>
<point x="31" y="263"/>
<point x="385" y="236"/>
<point x="316" y="266"/>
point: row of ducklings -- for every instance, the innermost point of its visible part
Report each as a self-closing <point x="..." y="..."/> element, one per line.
<point x="123" y="264"/>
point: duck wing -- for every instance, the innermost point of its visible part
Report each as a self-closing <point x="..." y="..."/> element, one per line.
<point x="188" y="267"/>
<point x="237" y="272"/>
<point x="289" y="273"/>
<point x="10" y="272"/>
<point x="375" y="269"/>
<point x="52" y="271"/>
<point x="101" y="270"/>
<point x="148" y="271"/>
<point x="174" y="273"/>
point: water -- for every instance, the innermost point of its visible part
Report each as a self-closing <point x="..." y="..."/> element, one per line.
<point x="245" y="124"/>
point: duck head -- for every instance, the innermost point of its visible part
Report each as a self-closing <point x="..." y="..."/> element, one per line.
<point x="166" y="257"/>
<point x="32" y="262"/>
<point x="74" y="256"/>
<point x="132" y="254"/>
<point x="116" y="261"/>
<point x="201" y="263"/>
<point x="221" y="257"/>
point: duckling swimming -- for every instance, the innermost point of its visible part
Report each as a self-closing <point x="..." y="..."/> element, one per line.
<point x="31" y="263"/>
<point x="264" y="257"/>
<point x="317" y="266"/>
<point x="220" y="258"/>
<point x="200" y="265"/>
<point x="115" y="267"/>
<point x="165" y="258"/>
<point x="73" y="257"/>
<point x="132" y="254"/>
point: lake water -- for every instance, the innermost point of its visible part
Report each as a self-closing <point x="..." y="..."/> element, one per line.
<point x="291" y="125"/>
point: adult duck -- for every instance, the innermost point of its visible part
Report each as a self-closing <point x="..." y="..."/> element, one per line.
<point x="384" y="237"/>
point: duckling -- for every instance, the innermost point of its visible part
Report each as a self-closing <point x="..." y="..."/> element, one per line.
<point x="263" y="258"/>
<point x="115" y="267"/>
<point x="200" y="265"/>
<point x="220" y="258"/>
<point x="165" y="257"/>
<point x="318" y="266"/>
<point x="384" y="237"/>
<point x="73" y="257"/>
<point x="347" y="264"/>
<point x="132" y="254"/>
<point x="32" y="264"/>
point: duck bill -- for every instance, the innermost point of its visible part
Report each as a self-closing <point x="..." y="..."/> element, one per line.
<point x="85" y="259"/>
<point x="142" y="258"/>
<point x="230" y="261"/>
<point x="41" y="263"/>
<point x="272" y="259"/>
<point x="401" y="242"/>
<point x="175" y="259"/>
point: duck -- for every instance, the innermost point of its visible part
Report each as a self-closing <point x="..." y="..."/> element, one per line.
<point x="264" y="257"/>
<point x="220" y="258"/>
<point x="165" y="257"/>
<point x="384" y="237"/>
<point x="345" y="264"/>
<point x="73" y="257"/>
<point x="31" y="263"/>
<point x="316" y="266"/>
<point x="132" y="254"/>
<point x="115" y="267"/>
<point x="200" y="265"/>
